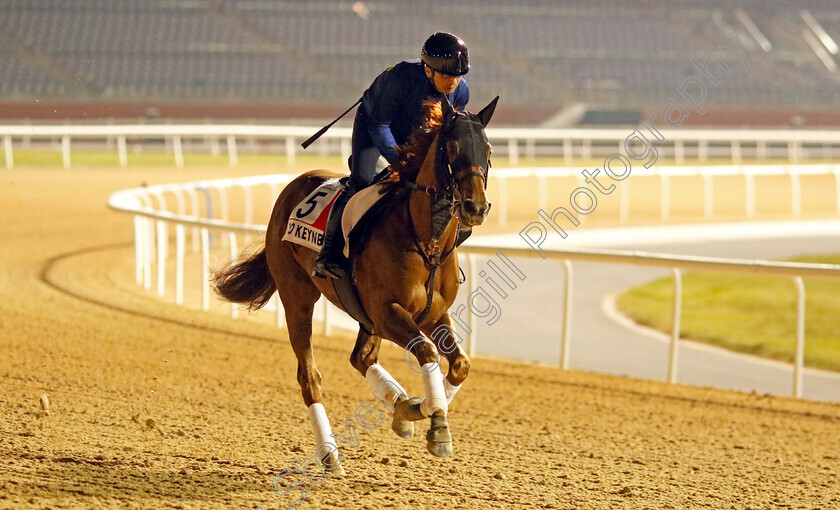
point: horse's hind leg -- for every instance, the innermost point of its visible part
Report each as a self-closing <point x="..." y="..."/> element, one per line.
<point x="299" y="295"/>
<point x="386" y="389"/>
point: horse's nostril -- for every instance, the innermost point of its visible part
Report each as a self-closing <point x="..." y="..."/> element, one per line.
<point x="469" y="207"/>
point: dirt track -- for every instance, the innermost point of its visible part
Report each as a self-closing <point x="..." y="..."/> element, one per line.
<point x="153" y="406"/>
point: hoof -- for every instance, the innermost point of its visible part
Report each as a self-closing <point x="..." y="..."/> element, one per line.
<point x="439" y="449"/>
<point x="438" y="438"/>
<point x="404" y="429"/>
<point x="337" y="470"/>
<point x="408" y="409"/>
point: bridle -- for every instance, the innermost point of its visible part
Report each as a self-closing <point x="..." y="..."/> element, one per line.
<point x="446" y="196"/>
<point x="447" y="178"/>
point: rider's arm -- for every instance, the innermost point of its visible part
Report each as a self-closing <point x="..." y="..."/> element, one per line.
<point x="461" y="96"/>
<point x="384" y="109"/>
<point x="383" y="138"/>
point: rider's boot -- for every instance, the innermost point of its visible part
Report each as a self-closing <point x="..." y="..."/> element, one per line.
<point x="329" y="261"/>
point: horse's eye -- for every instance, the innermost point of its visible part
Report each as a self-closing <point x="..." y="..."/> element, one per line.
<point x="452" y="149"/>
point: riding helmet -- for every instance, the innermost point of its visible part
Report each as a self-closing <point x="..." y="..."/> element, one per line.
<point x="447" y="54"/>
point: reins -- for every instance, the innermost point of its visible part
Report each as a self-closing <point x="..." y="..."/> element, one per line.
<point x="443" y="201"/>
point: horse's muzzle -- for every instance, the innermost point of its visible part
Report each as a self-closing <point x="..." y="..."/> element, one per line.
<point x="474" y="212"/>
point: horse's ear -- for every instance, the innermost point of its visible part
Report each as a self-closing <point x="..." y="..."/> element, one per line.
<point x="485" y="114"/>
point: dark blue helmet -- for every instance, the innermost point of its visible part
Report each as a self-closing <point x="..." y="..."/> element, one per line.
<point x="447" y="54"/>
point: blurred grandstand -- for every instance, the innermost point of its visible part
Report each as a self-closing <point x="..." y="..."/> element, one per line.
<point x="566" y="61"/>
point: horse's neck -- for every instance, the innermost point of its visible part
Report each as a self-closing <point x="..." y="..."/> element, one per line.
<point x="420" y="203"/>
<point x="426" y="176"/>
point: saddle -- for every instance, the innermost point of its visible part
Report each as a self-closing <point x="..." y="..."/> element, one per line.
<point x="359" y="219"/>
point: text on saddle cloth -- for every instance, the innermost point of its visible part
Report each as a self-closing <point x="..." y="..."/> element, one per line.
<point x="309" y="218"/>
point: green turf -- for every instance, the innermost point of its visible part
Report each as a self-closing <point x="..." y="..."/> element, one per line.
<point x="87" y="159"/>
<point x="746" y="313"/>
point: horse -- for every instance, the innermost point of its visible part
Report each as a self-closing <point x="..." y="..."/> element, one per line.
<point x="407" y="275"/>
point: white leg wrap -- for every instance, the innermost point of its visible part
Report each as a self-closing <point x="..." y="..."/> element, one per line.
<point x="435" y="395"/>
<point x="384" y="385"/>
<point x="450" y="390"/>
<point x="321" y="426"/>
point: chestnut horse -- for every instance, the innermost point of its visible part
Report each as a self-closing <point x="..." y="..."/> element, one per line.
<point x="407" y="274"/>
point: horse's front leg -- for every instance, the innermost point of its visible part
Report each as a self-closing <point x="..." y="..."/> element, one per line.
<point x="399" y="326"/>
<point x="438" y="438"/>
<point x="386" y="389"/>
<point x="449" y="344"/>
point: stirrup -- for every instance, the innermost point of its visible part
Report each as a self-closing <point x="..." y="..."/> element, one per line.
<point x="327" y="270"/>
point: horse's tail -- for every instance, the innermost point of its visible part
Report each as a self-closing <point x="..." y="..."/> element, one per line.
<point x="247" y="281"/>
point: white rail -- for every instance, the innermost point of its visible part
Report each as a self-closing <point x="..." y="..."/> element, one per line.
<point x="734" y="144"/>
<point x="138" y="202"/>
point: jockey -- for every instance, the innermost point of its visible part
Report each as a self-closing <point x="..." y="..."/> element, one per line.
<point x="392" y="108"/>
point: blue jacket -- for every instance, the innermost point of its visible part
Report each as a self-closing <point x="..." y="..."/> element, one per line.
<point x="393" y="104"/>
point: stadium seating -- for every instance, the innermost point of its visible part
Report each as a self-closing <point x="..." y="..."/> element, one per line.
<point x="536" y="53"/>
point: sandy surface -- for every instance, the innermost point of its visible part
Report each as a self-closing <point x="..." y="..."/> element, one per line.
<point x="154" y="406"/>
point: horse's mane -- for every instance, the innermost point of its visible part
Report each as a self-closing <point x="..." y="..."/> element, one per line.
<point x="413" y="151"/>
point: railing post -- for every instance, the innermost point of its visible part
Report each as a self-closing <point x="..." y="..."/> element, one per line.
<point x="234" y="307"/>
<point x="513" y="151"/>
<point x="148" y="251"/>
<point x="795" y="194"/>
<point x="215" y="149"/>
<point x="586" y="149"/>
<point x="675" y="326"/>
<point x="180" y="253"/>
<point x="679" y="152"/>
<point x="65" y="151"/>
<point x="138" y="249"/>
<point x="703" y="150"/>
<point x="122" y="151"/>
<point x="178" y="149"/>
<point x="799" y="358"/>
<point x="473" y="276"/>
<point x="161" y="256"/>
<point x="290" y="151"/>
<point x="542" y="186"/>
<point x="567" y="315"/>
<point x="205" y="269"/>
<point x="7" y="150"/>
<point x="233" y="157"/>
<point x="736" y="152"/>
<point x="194" y="208"/>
